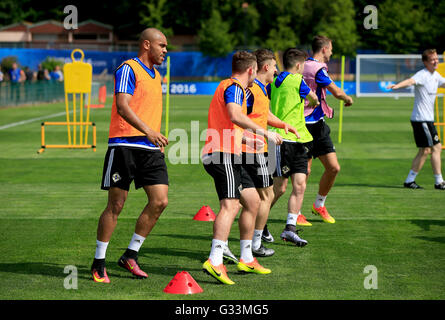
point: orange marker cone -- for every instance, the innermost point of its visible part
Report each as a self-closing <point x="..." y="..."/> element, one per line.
<point x="183" y="283"/>
<point x="205" y="214"/>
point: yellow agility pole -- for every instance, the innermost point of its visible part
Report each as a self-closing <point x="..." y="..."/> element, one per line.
<point x="437" y="117"/>
<point x="277" y="58"/>
<point x="78" y="77"/>
<point x="440" y="125"/>
<point x="340" y="123"/>
<point x="167" y="97"/>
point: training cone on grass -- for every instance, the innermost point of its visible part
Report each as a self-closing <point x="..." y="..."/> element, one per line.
<point x="205" y="214"/>
<point x="183" y="283"/>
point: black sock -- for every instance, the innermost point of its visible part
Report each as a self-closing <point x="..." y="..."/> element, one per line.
<point x="131" y="254"/>
<point x="98" y="263"/>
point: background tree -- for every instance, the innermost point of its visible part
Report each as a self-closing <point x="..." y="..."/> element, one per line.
<point x="282" y="36"/>
<point x="214" y="37"/>
<point x="401" y="26"/>
<point x="335" y="19"/>
<point x="152" y="15"/>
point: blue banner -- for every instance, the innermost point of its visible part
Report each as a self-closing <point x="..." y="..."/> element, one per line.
<point x="183" y="64"/>
<point x="208" y="88"/>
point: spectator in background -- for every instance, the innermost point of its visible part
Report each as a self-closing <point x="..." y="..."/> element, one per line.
<point x="57" y="74"/>
<point x="42" y="74"/>
<point x="16" y="74"/>
<point x="1" y="76"/>
<point x="42" y="77"/>
<point x="29" y="74"/>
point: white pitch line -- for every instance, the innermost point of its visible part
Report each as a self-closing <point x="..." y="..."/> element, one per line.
<point x="14" y="124"/>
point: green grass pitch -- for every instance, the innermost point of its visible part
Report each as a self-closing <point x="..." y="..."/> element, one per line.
<point x="51" y="204"/>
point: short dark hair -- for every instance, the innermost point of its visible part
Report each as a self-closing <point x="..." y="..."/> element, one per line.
<point x="262" y="55"/>
<point x="242" y="60"/>
<point x="292" y="56"/>
<point x="427" y="53"/>
<point x="318" y="42"/>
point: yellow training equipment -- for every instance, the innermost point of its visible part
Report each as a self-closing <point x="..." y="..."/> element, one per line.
<point x="441" y="70"/>
<point x="78" y="76"/>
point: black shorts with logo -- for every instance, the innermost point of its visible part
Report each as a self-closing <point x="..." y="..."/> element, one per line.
<point x="225" y="169"/>
<point x="122" y="165"/>
<point x="291" y="158"/>
<point x="322" y="143"/>
<point x="425" y="134"/>
<point x="254" y="171"/>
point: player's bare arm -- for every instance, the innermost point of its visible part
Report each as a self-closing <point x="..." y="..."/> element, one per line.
<point x="403" y="84"/>
<point x="313" y="99"/>
<point x="339" y="94"/>
<point x="124" y="110"/>
<point x="240" y="119"/>
<point x="275" y="122"/>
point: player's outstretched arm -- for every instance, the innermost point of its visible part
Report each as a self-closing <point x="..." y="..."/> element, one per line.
<point x="124" y="110"/>
<point x="274" y="121"/>
<point x="313" y="99"/>
<point x="339" y="94"/>
<point x="240" y="119"/>
<point x="403" y="84"/>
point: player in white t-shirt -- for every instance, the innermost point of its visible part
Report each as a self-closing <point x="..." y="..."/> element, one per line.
<point x="426" y="82"/>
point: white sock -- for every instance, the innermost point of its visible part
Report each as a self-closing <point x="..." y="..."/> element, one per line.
<point x="246" y="250"/>
<point x="216" y="253"/>
<point x="292" y="218"/>
<point x="438" y="178"/>
<point x="256" y="241"/>
<point x="136" y="242"/>
<point x="411" y="176"/>
<point x="101" y="249"/>
<point x="319" y="201"/>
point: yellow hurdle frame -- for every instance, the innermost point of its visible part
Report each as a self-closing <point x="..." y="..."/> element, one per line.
<point x="77" y="81"/>
<point x="440" y="125"/>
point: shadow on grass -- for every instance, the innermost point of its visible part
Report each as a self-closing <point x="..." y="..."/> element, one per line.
<point x="195" y="237"/>
<point x="426" y="224"/>
<point x="43" y="269"/>
<point x="386" y="186"/>
<point x="191" y="254"/>
<point x="432" y="239"/>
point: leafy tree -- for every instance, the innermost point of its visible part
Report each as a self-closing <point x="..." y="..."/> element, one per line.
<point x="6" y="63"/>
<point x="51" y="63"/>
<point x="283" y="36"/>
<point x="215" y="39"/>
<point x="13" y="11"/>
<point x="153" y="14"/>
<point x="243" y="19"/>
<point x="396" y="31"/>
<point x="336" y="21"/>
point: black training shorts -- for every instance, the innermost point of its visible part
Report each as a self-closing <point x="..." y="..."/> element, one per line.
<point x="254" y="171"/>
<point x="122" y="165"/>
<point x="425" y="134"/>
<point x="291" y="158"/>
<point x="225" y="169"/>
<point x="322" y="143"/>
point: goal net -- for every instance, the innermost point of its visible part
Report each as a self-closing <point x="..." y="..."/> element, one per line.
<point x="374" y="72"/>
